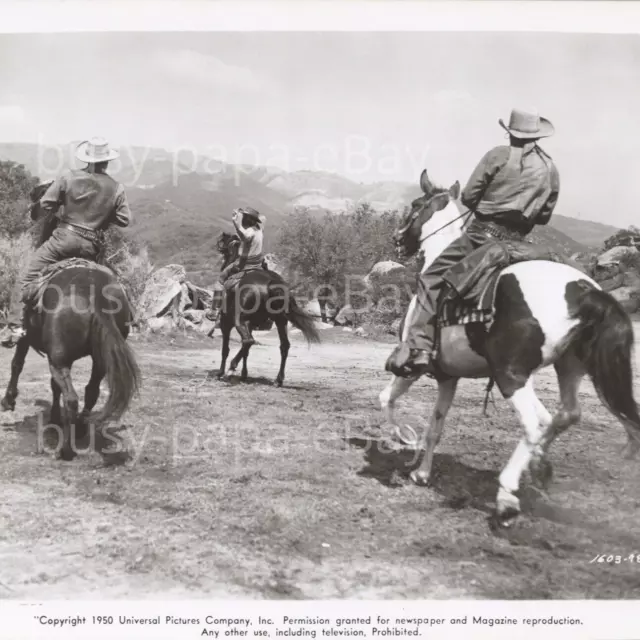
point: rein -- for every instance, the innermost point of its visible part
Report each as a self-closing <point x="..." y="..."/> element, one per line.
<point x="444" y="226"/>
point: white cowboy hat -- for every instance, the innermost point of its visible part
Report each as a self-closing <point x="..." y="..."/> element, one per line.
<point x="95" y="150"/>
<point x="526" y="123"/>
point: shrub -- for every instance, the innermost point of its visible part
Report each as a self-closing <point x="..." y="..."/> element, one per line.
<point x="15" y="253"/>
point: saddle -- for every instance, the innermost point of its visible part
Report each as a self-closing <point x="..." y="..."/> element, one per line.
<point x="235" y="278"/>
<point x="33" y="296"/>
<point x="469" y="296"/>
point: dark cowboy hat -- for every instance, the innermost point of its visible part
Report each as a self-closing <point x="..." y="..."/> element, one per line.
<point x="251" y="214"/>
<point x="527" y="124"/>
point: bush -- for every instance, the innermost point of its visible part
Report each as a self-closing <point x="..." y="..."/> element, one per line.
<point x="15" y="253"/>
<point x="130" y="260"/>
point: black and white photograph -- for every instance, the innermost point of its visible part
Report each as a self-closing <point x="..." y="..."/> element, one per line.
<point x="319" y="315"/>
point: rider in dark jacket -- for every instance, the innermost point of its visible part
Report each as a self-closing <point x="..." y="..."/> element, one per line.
<point x="512" y="189"/>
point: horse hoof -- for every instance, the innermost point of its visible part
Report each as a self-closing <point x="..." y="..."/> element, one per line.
<point x="277" y="382"/>
<point x="7" y="405"/>
<point x="504" y="519"/>
<point x="507" y="510"/>
<point x="420" y="478"/>
<point x="541" y="474"/>
<point x="67" y="455"/>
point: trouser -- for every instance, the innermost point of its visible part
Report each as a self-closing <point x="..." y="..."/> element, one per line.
<point x="225" y="274"/>
<point x="62" y="244"/>
<point x="421" y="325"/>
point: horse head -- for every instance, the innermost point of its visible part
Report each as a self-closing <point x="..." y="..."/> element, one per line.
<point x="228" y="245"/>
<point x="408" y="236"/>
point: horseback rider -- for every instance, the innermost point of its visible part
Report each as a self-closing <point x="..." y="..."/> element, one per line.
<point x="513" y="188"/>
<point x="248" y="224"/>
<point x="92" y="201"/>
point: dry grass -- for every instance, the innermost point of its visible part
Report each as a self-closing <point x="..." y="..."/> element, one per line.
<point x="246" y="490"/>
<point x="15" y="254"/>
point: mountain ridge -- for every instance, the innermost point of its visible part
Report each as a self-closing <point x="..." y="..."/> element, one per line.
<point x="180" y="202"/>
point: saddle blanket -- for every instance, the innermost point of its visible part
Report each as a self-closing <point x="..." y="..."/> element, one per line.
<point x="33" y="295"/>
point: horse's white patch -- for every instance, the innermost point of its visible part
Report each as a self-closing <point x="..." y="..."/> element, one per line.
<point x="439" y="232"/>
<point x="543" y="285"/>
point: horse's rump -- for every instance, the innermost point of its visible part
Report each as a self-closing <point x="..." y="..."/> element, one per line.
<point x="60" y="279"/>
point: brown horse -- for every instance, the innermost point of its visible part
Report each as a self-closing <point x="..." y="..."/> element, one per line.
<point x="258" y="296"/>
<point x="84" y="311"/>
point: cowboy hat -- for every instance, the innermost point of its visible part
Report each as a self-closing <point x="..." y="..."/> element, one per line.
<point x="95" y="150"/>
<point x="251" y="214"/>
<point x="527" y="124"/>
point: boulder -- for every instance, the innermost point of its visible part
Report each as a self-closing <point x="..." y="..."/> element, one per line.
<point x="313" y="309"/>
<point x="383" y="268"/>
<point x="273" y="264"/>
<point x="161" y="291"/>
<point x="613" y="256"/>
<point x="628" y="298"/>
<point x="199" y="297"/>
<point x="612" y="283"/>
<point x="346" y="317"/>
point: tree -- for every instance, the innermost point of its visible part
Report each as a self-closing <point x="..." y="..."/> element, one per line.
<point x="326" y="253"/>
<point x="16" y="184"/>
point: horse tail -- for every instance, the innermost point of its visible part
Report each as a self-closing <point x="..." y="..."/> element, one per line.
<point x="604" y="342"/>
<point x="303" y="321"/>
<point x="117" y="360"/>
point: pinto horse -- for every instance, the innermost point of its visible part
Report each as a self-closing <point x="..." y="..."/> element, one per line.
<point x="84" y="312"/>
<point x="258" y="296"/>
<point x="545" y="313"/>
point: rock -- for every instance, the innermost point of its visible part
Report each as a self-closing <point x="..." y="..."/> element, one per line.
<point x="346" y="316"/>
<point x="199" y="297"/>
<point x="161" y="291"/>
<point x="360" y="332"/>
<point x="628" y="298"/>
<point x="273" y="264"/>
<point x="384" y="268"/>
<point x="612" y="283"/>
<point x="158" y="325"/>
<point x="194" y="316"/>
<point x="313" y="309"/>
<point x="613" y="256"/>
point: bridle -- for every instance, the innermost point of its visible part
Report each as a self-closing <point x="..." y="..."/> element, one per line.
<point x="401" y="232"/>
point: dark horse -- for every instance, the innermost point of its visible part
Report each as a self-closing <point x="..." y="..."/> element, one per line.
<point x="259" y="296"/>
<point x="84" y="312"/>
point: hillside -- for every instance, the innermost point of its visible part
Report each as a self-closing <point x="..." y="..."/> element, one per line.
<point x="181" y="203"/>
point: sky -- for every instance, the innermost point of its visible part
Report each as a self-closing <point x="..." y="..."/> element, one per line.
<point x="370" y="106"/>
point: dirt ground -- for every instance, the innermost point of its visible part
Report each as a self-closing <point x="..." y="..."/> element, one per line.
<point x="247" y="490"/>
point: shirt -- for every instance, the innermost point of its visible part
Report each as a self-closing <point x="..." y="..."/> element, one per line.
<point x="516" y="187"/>
<point x="252" y="246"/>
<point x="91" y="200"/>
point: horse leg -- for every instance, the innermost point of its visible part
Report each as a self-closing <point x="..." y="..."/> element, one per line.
<point x="242" y="354"/>
<point x="281" y="325"/>
<point x="91" y="395"/>
<point x="397" y="387"/>
<point x="55" y="416"/>
<point x="570" y="374"/>
<point x="62" y="377"/>
<point x="432" y="434"/>
<point x="527" y="407"/>
<point x="225" y="328"/>
<point x="8" y="403"/>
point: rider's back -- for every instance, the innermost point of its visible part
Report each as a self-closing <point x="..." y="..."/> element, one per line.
<point x="89" y="199"/>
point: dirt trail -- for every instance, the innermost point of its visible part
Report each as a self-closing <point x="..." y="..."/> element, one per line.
<point x="245" y="490"/>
